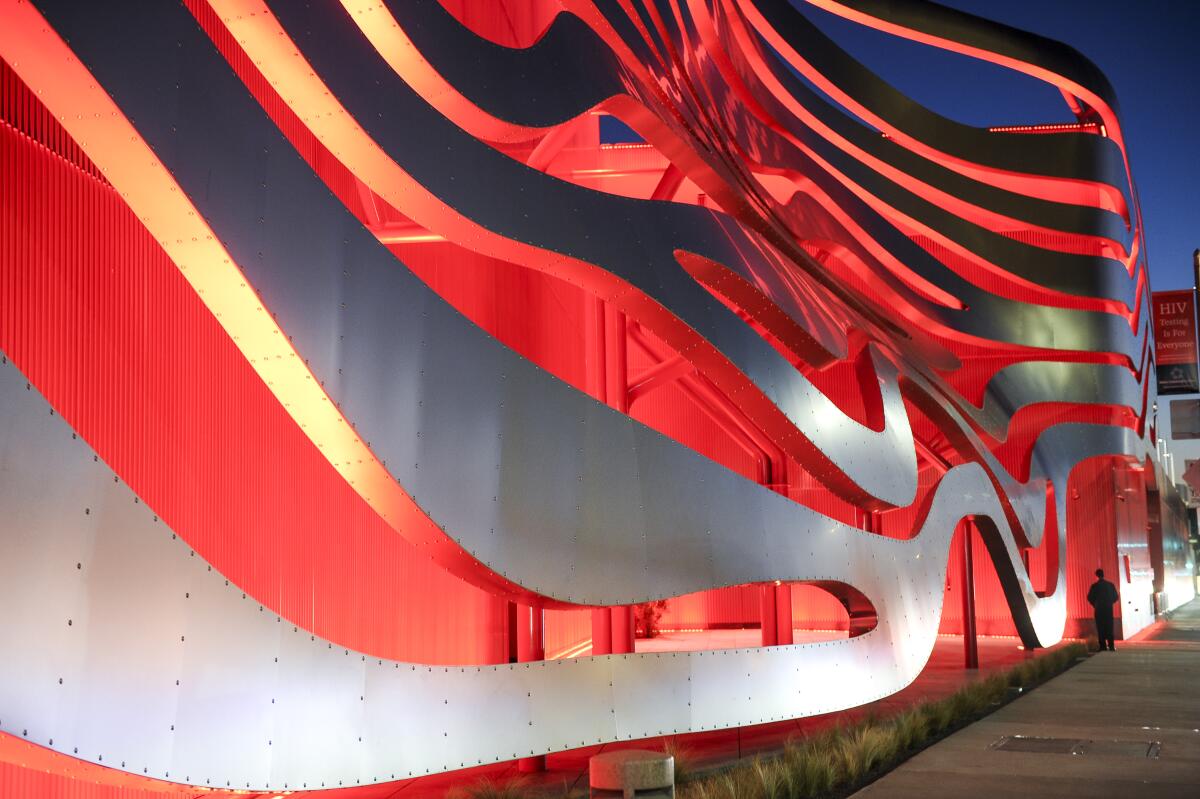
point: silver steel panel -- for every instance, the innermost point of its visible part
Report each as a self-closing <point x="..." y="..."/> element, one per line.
<point x="326" y="715"/>
<point x="318" y="712"/>
<point x="167" y="670"/>
<point x="127" y="645"/>
<point x="987" y="315"/>
<point x="1081" y="383"/>
<point x="472" y="390"/>
<point x="650" y="691"/>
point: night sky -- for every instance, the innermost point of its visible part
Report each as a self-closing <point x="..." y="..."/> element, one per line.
<point x="1150" y="51"/>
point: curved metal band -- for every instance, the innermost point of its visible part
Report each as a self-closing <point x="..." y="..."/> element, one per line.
<point x="168" y="670"/>
<point x="559" y="494"/>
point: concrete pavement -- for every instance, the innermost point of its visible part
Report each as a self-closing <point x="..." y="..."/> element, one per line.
<point x="1092" y="727"/>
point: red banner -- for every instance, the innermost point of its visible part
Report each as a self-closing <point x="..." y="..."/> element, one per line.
<point x="1175" y="341"/>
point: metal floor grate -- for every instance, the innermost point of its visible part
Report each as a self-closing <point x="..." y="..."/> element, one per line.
<point x="1076" y="746"/>
<point x="1121" y="748"/>
<point x="1048" y="746"/>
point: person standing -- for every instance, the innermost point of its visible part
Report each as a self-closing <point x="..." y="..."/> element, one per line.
<point x="1102" y="596"/>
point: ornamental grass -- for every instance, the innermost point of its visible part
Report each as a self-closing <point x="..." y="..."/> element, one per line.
<point x="488" y="788"/>
<point x="836" y="762"/>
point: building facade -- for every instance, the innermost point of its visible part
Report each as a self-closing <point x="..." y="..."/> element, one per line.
<point x="364" y="395"/>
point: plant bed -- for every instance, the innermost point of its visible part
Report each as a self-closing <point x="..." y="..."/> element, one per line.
<point x="836" y="762"/>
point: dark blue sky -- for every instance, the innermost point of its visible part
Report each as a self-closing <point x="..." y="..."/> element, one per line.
<point x="1150" y="51"/>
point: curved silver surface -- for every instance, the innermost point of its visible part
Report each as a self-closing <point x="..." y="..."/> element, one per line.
<point x="552" y="473"/>
<point x="167" y="669"/>
<point x="987" y="315"/>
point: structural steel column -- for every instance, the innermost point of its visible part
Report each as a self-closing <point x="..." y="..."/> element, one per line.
<point x="601" y="631"/>
<point x="783" y="614"/>
<point x="775" y="601"/>
<point x="612" y="630"/>
<point x="616" y="360"/>
<point x="531" y="646"/>
<point x="970" y="644"/>
<point x="608" y="381"/>
<point x="595" y="348"/>
<point x="768" y="613"/>
<point x="622" y="629"/>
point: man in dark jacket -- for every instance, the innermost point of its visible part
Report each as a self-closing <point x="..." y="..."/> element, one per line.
<point x="1102" y="596"/>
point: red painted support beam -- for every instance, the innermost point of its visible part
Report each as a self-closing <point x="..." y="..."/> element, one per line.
<point x="622" y="629"/>
<point x="606" y="343"/>
<point x="602" y="631"/>
<point x="531" y="643"/>
<point x="552" y="143"/>
<point x="661" y="374"/>
<point x="668" y="184"/>
<point x="768" y="615"/>
<point x="616" y="360"/>
<point x="783" y="614"/>
<point x="612" y="630"/>
<point x="694" y="387"/>
<point x="781" y="593"/>
<point x="775" y="603"/>
<point x="597" y="385"/>
<point x="595" y="348"/>
<point x="970" y="642"/>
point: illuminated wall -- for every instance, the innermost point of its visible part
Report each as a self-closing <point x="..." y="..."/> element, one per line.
<point x="336" y="340"/>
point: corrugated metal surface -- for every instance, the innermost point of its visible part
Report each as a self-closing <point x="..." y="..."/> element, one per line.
<point x="1042" y="561"/>
<point x="19" y="108"/>
<point x="532" y="312"/>
<point x="567" y="633"/>
<point x="992" y="616"/>
<point x="512" y="23"/>
<point x="97" y="316"/>
<point x="29" y="771"/>
<point x="1002" y="283"/>
<point x="738" y="606"/>
<point x="1065" y="242"/>
<point x="535" y="314"/>
<point x="816" y="609"/>
<point x="735" y="606"/>
<point x="1099" y="527"/>
<point x="17" y="782"/>
<point x="1091" y="536"/>
<point x="1135" y="571"/>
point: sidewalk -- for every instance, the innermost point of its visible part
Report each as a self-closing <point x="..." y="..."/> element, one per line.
<point x="1110" y="710"/>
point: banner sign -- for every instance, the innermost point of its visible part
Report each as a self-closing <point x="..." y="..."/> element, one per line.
<point x="1175" y="341"/>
